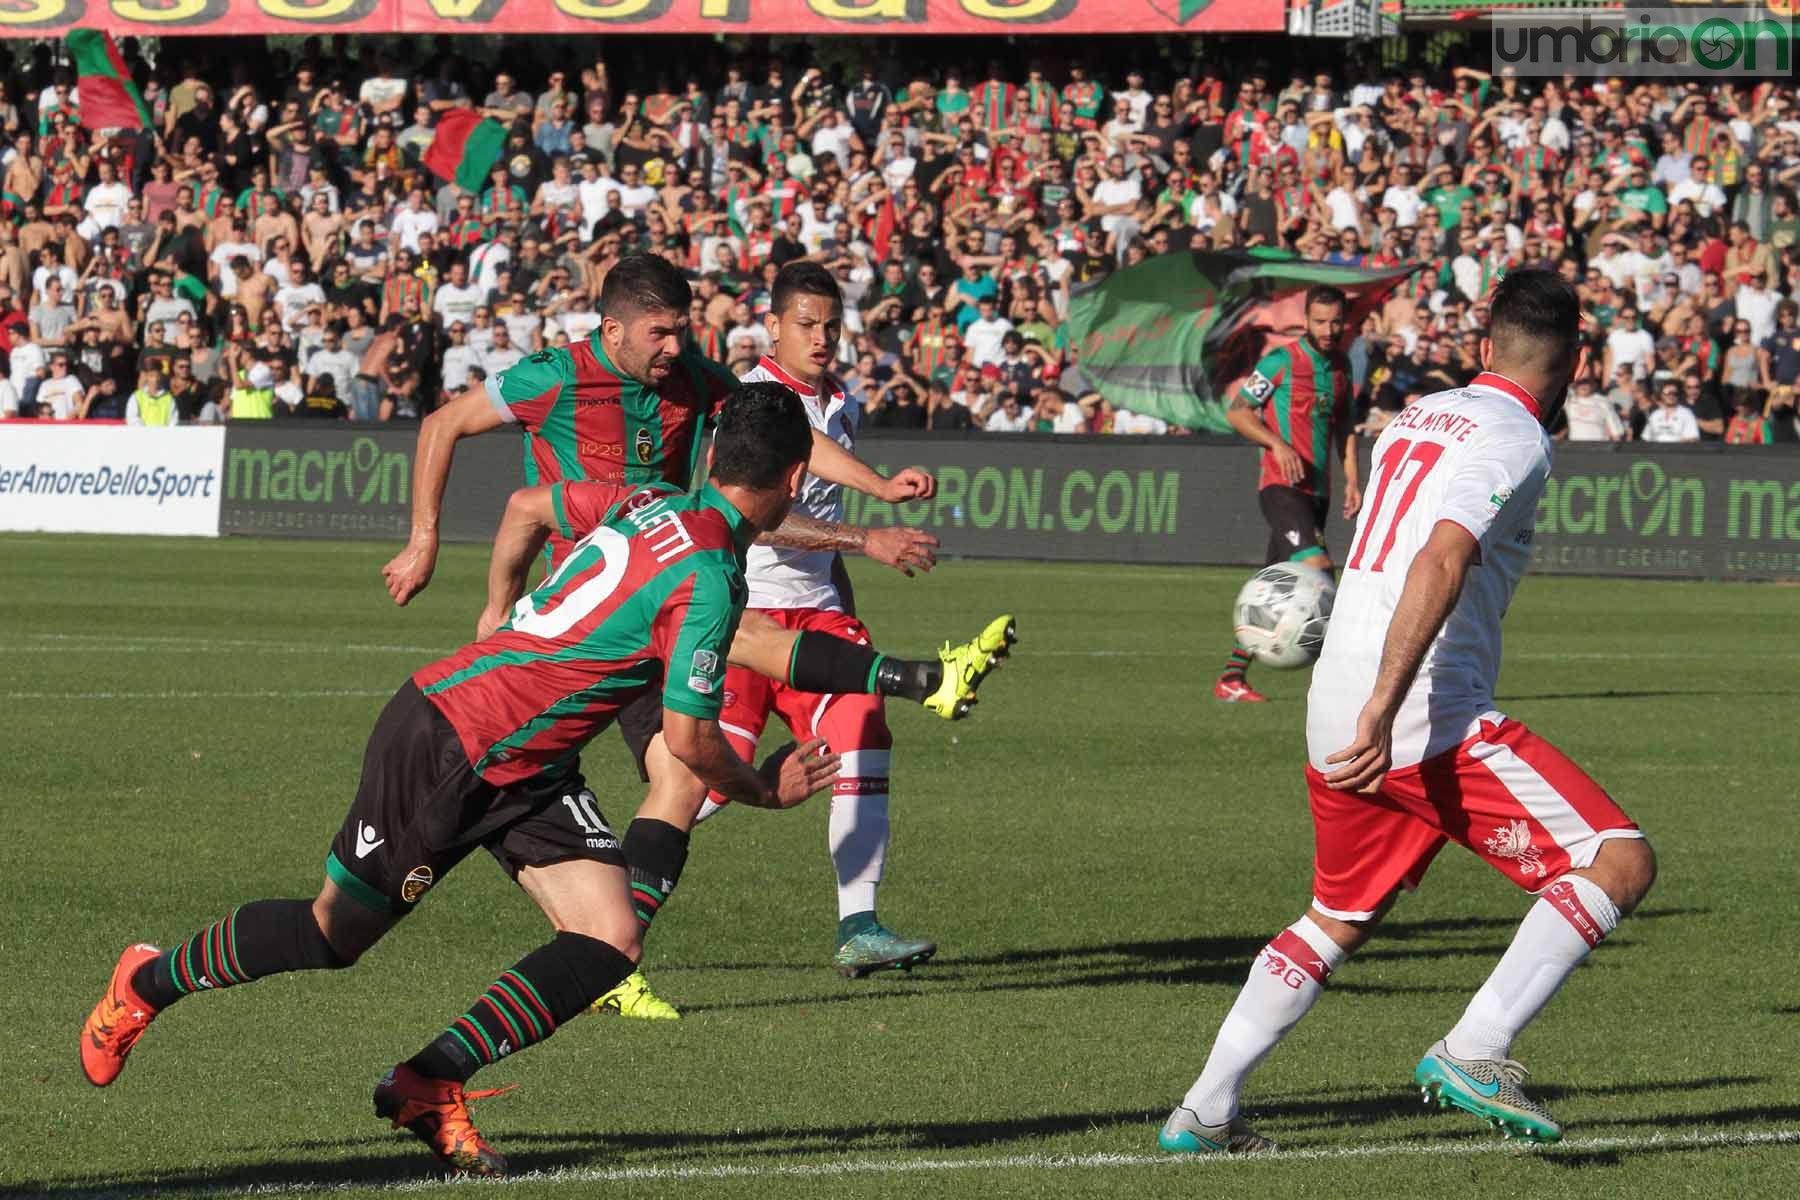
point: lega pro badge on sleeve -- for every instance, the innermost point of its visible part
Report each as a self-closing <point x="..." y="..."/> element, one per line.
<point x="1259" y="387"/>
<point x="703" y="673"/>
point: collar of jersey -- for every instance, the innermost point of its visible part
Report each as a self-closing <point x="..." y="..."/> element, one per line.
<point x="1500" y="383"/>
<point x="742" y="531"/>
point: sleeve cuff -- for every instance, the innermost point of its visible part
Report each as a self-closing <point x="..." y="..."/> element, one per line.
<point x="688" y="704"/>
<point x="492" y="387"/>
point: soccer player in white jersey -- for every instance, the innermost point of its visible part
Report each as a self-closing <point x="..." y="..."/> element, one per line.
<point x="1406" y="750"/>
<point x="805" y="588"/>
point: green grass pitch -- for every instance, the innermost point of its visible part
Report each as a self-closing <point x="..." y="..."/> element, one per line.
<point x="1098" y="852"/>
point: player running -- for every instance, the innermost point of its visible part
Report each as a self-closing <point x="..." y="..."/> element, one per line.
<point x="1407" y="751"/>
<point x="629" y="404"/>
<point x="804" y="588"/>
<point x="1296" y="406"/>
<point x="644" y="604"/>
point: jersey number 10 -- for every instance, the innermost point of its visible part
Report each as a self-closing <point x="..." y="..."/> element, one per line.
<point x="1403" y="453"/>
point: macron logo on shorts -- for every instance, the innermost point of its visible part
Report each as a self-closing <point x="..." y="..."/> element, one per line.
<point x="366" y="839"/>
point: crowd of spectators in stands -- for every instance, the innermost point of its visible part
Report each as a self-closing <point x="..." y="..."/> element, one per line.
<point x="273" y="246"/>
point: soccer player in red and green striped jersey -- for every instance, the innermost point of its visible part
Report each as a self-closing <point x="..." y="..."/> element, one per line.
<point x="1296" y="406"/>
<point x="629" y="404"/>
<point x="645" y="604"/>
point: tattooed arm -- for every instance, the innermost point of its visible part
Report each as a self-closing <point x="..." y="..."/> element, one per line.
<point x="899" y="547"/>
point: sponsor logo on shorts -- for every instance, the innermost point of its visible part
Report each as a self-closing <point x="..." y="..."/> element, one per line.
<point x="1513" y="840"/>
<point x="603" y="843"/>
<point x="417" y="882"/>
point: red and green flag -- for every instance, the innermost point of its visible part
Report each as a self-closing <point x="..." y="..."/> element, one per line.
<point x="1172" y="336"/>
<point x="109" y="99"/>
<point x="464" y="148"/>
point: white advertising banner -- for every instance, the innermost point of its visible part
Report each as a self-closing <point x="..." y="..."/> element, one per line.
<point x="110" y="478"/>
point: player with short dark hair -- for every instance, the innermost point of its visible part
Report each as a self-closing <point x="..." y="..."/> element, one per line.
<point x="630" y="404"/>
<point x="1296" y="406"/>
<point x="804" y="587"/>
<point x="644" y="603"/>
<point x="1407" y="751"/>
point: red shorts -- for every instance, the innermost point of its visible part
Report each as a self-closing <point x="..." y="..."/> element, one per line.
<point x="854" y="726"/>
<point x="1507" y="794"/>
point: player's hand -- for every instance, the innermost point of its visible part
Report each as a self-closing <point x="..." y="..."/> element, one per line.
<point x="1366" y="760"/>
<point x="409" y="571"/>
<point x="796" y="772"/>
<point x="1290" y="464"/>
<point x="905" y="550"/>
<point x="490" y="620"/>
<point x="1353" y="499"/>
<point x="910" y="484"/>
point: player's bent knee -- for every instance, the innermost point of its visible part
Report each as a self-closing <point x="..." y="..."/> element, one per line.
<point x="335" y="931"/>
<point x="1626" y="869"/>
<point x="1349" y="935"/>
<point x="623" y="935"/>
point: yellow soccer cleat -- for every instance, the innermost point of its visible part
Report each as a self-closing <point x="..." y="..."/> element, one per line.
<point x="965" y="666"/>
<point x="633" y="998"/>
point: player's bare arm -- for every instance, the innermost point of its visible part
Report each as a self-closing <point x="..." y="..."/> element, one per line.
<point x="1353" y="497"/>
<point x="1432" y="587"/>
<point x="905" y="550"/>
<point x="1244" y="418"/>
<point x="786" y="778"/>
<point x="530" y="518"/>
<point x="409" y="571"/>
<point x="834" y="464"/>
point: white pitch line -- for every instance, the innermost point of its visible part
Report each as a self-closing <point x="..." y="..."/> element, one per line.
<point x="265" y="695"/>
<point x="587" y="1176"/>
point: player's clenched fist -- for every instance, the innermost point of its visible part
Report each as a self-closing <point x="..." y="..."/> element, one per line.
<point x="910" y="484"/>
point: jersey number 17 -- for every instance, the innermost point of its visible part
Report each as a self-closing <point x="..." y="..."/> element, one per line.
<point x="1403" y="453"/>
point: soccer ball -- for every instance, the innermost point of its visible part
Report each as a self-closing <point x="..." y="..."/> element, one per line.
<point x="1281" y="614"/>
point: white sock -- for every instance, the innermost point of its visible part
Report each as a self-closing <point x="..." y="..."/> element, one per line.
<point x="1568" y="920"/>
<point x="1285" y="980"/>
<point x="707" y="809"/>
<point x="858" y="832"/>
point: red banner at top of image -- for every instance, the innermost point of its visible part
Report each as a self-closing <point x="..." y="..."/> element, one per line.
<point x="127" y="18"/>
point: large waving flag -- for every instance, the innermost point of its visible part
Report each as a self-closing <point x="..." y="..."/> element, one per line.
<point x="109" y="100"/>
<point x="464" y="148"/>
<point x="1173" y="335"/>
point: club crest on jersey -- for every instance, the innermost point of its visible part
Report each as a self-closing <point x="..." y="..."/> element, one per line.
<point x="1259" y="387"/>
<point x="646" y="446"/>
<point x="417" y="882"/>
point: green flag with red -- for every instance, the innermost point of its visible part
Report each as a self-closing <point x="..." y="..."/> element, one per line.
<point x="1172" y="336"/>
<point x="109" y="99"/>
<point x="464" y="148"/>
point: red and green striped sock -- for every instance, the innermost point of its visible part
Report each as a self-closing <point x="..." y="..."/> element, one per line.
<point x="1237" y="664"/>
<point x="548" y="987"/>
<point x="264" y="937"/>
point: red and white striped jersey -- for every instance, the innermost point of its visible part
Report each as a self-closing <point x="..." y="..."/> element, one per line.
<point x="1477" y="456"/>
<point x="784" y="578"/>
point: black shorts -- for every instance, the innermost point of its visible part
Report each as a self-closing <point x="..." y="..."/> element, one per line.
<point x="1296" y="521"/>
<point x="421" y="808"/>
<point x="640" y="721"/>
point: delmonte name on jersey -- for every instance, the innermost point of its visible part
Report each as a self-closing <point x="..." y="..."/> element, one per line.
<point x="649" y="594"/>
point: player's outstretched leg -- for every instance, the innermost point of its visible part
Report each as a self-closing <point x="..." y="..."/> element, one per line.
<point x="820" y="663"/>
<point x="262" y="938"/>
<point x="1470" y="1068"/>
<point x="1285" y="981"/>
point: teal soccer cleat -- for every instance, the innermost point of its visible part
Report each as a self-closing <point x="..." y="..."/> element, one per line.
<point x="1488" y="1088"/>
<point x="880" y="949"/>
<point x="1183" y="1133"/>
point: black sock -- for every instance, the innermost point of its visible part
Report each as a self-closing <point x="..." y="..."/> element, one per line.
<point x="829" y="665"/>
<point x="549" y="986"/>
<point x="264" y="937"/>
<point x="656" y="851"/>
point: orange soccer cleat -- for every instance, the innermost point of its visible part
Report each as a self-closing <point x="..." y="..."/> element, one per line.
<point x="118" y="1021"/>
<point x="436" y="1111"/>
